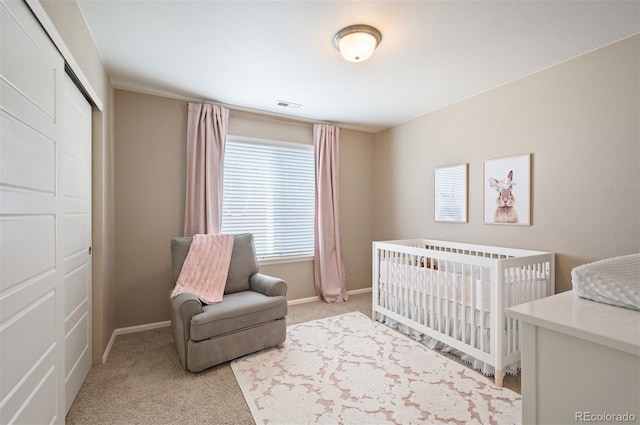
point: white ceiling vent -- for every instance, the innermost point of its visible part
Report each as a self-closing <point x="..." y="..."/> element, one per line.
<point x="291" y="105"/>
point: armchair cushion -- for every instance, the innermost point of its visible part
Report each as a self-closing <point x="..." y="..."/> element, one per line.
<point x="243" y="264"/>
<point x="238" y="311"/>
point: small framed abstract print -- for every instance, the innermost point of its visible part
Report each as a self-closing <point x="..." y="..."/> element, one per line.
<point x="450" y="194"/>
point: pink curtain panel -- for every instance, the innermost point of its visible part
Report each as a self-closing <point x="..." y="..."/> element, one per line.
<point x="330" y="279"/>
<point x="206" y="137"/>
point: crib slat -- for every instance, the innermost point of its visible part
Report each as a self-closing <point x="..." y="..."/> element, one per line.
<point x="482" y="316"/>
<point x="447" y="284"/>
<point x="463" y="320"/>
<point x="454" y="288"/>
<point x="472" y="309"/>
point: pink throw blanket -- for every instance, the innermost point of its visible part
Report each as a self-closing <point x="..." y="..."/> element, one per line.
<point x="205" y="269"/>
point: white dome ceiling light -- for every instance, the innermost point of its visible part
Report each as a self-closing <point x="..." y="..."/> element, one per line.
<point x="356" y="43"/>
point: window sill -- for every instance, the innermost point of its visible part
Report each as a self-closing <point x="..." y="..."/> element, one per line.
<point x="283" y="260"/>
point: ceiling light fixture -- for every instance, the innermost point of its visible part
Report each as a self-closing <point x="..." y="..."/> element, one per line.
<point x="356" y="43"/>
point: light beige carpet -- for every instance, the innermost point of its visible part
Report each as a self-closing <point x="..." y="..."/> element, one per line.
<point x="143" y="382"/>
<point x="348" y="369"/>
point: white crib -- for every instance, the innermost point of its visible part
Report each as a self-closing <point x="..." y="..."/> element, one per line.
<point x="457" y="293"/>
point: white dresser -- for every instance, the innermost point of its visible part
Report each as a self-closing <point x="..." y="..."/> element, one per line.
<point x="580" y="361"/>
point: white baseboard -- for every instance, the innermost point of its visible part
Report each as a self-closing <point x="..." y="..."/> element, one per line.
<point x="312" y="299"/>
<point x="107" y="350"/>
<point x="129" y="330"/>
<point x="303" y="300"/>
<point x="359" y="291"/>
<point x="140" y="328"/>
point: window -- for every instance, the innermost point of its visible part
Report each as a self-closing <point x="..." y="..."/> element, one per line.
<point x="269" y="190"/>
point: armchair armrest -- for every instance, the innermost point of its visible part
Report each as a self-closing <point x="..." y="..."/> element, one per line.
<point x="186" y="306"/>
<point x="183" y="308"/>
<point x="268" y="285"/>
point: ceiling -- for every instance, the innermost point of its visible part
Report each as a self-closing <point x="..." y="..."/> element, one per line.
<point x="249" y="54"/>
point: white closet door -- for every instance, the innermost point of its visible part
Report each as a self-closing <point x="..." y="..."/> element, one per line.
<point x="76" y="182"/>
<point x="36" y="210"/>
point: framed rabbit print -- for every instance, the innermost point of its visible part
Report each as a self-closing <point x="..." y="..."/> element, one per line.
<point x="507" y="190"/>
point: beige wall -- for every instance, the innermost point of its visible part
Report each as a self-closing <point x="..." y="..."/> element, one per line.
<point x="150" y="151"/>
<point x="70" y="25"/>
<point x="356" y="206"/>
<point x="579" y="120"/>
<point x="150" y="159"/>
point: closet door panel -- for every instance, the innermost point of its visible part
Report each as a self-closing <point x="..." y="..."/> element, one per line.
<point x="77" y="341"/>
<point x="45" y="225"/>
<point x="32" y="278"/>
<point x="76" y="234"/>
<point x="20" y="145"/>
<point x="30" y="69"/>
<point x="27" y="66"/>
<point x="32" y="334"/>
<point x="72" y="168"/>
<point x="76" y="289"/>
<point x="28" y="249"/>
<point x="76" y="179"/>
<point x="39" y="406"/>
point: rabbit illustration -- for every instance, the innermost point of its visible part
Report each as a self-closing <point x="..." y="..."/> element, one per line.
<point x="505" y="213"/>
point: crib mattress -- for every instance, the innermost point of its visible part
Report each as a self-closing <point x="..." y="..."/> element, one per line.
<point x="614" y="281"/>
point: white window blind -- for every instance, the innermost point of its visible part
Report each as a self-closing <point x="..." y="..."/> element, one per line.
<point x="269" y="191"/>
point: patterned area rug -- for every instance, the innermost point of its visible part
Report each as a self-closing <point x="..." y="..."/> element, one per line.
<point x="349" y="369"/>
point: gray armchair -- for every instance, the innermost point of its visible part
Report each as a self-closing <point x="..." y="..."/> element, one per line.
<point x="250" y="317"/>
